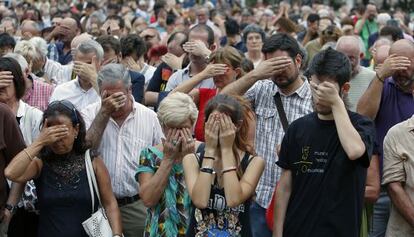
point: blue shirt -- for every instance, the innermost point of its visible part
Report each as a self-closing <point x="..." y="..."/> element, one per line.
<point x="63" y="58"/>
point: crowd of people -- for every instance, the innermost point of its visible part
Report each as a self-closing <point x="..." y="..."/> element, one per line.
<point x="206" y="118"/>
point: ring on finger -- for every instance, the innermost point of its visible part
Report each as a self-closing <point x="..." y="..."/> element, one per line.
<point x="174" y="142"/>
<point x="189" y="140"/>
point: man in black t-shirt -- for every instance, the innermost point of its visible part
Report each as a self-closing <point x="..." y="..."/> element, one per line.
<point x="324" y="157"/>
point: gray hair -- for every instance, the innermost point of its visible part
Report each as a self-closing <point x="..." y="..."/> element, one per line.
<point x="20" y="59"/>
<point x="40" y="45"/>
<point x="113" y="73"/>
<point x="253" y="28"/>
<point x="8" y="18"/>
<point x="91" y="46"/>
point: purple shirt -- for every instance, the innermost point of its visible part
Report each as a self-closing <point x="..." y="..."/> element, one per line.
<point x="395" y="107"/>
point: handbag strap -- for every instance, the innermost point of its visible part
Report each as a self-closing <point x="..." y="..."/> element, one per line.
<point x="87" y="156"/>
<point x="281" y="111"/>
<point x="92" y="176"/>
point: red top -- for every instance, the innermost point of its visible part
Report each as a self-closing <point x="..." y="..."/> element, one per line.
<point x="205" y="94"/>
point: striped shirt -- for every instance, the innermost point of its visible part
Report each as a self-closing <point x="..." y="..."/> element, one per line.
<point x="269" y="130"/>
<point x="120" y="147"/>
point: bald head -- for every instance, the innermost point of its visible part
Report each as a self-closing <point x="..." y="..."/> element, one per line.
<point x="351" y="47"/>
<point x="30" y="29"/>
<point x="381" y="54"/>
<point x="403" y="48"/>
<point x="69" y="28"/>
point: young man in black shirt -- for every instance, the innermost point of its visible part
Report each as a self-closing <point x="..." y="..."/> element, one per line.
<point x="324" y="157"/>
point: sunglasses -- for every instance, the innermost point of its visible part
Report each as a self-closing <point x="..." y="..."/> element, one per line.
<point x="68" y="106"/>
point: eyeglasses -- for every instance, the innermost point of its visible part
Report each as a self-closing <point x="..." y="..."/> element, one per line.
<point x="67" y="105"/>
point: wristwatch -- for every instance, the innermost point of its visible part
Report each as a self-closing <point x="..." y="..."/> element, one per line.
<point x="12" y="208"/>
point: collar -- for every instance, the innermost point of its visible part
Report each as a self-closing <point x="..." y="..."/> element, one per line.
<point x="21" y="110"/>
<point x="77" y="84"/>
<point x="410" y="124"/>
<point x="302" y="91"/>
<point x="186" y="70"/>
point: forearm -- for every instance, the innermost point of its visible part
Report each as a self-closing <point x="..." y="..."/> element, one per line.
<point x="151" y="98"/>
<point x="232" y="188"/>
<point x="283" y="192"/>
<point x="114" y="217"/>
<point x="21" y="161"/>
<point x="369" y="102"/>
<point x="152" y="190"/>
<point x="202" y="187"/>
<point x="401" y="201"/>
<point x="372" y="188"/>
<point x="189" y="85"/>
<point x="349" y="137"/>
<point x="240" y="86"/>
<point x="15" y="194"/>
<point x="95" y="132"/>
<point x="358" y="27"/>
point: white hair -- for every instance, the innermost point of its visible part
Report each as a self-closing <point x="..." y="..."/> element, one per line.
<point x="354" y="40"/>
<point x="41" y="46"/>
<point x="26" y="49"/>
<point x="20" y="59"/>
<point x="176" y="109"/>
<point x="382" y="18"/>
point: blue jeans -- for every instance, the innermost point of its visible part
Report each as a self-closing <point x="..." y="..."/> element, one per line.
<point x="381" y="215"/>
<point x="258" y="221"/>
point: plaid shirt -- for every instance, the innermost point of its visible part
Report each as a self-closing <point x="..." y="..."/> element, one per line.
<point x="38" y="96"/>
<point x="269" y="130"/>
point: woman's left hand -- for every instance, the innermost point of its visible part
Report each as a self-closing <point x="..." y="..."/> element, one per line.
<point x="187" y="142"/>
<point x="227" y="132"/>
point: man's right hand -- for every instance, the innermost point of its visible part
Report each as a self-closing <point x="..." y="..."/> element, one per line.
<point x="6" y="79"/>
<point x="392" y="64"/>
<point x="272" y="66"/>
<point x="112" y="103"/>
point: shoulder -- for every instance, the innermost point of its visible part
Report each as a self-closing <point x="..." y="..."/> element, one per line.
<point x="400" y="128"/>
<point x="143" y="110"/>
<point x="91" y="110"/>
<point x="136" y="75"/>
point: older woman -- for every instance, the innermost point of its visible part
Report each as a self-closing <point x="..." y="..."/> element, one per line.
<point x="161" y="175"/>
<point x="56" y="162"/>
<point x="253" y="37"/>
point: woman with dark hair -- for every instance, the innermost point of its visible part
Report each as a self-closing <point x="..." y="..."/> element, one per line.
<point x="56" y="162"/>
<point x="221" y="179"/>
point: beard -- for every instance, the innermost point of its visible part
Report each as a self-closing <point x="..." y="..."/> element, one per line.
<point x="405" y="83"/>
<point x="323" y="110"/>
<point x="284" y="80"/>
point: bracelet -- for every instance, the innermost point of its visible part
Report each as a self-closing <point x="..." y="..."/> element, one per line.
<point x="207" y="170"/>
<point x="233" y="168"/>
<point x="209" y="158"/>
<point x="378" y="77"/>
<point x="28" y="155"/>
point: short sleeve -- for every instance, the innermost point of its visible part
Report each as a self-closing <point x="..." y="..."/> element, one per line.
<point x="366" y="130"/>
<point x="157" y="131"/>
<point x="283" y="161"/>
<point x="250" y="95"/>
<point x="146" y="163"/>
<point x="154" y="84"/>
<point x="13" y="138"/>
<point x="393" y="163"/>
<point x="173" y="81"/>
<point x="138" y="84"/>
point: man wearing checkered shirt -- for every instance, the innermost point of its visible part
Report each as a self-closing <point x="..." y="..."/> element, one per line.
<point x="278" y="74"/>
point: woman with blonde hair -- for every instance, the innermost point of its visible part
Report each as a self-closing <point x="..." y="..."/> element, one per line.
<point x="225" y="67"/>
<point x="160" y="173"/>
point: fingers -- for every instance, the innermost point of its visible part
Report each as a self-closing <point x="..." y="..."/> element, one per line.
<point x="6" y="75"/>
<point x="46" y="123"/>
<point x="219" y="69"/>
